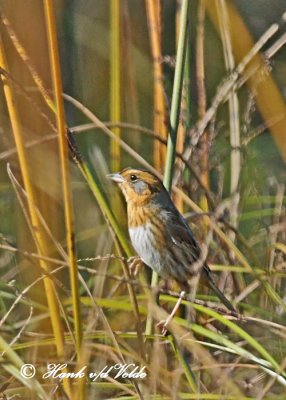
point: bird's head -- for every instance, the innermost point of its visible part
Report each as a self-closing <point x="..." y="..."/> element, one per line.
<point x="139" y="187"/>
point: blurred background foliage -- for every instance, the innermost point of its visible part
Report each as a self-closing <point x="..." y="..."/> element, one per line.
<point x="253" y="215"/>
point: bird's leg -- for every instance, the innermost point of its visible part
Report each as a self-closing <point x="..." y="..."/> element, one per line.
<point x="134" y="263"/>
<point x="163" y="324"/>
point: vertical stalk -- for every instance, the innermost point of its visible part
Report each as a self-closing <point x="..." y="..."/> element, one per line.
<point x="63" y="149"/>
<point x="234" y="123"/>
<point x="40" y="241"/>
<point x="115" y="103"/>
<point x="174" y="116"/>
<point x="154" y="23"/>
<point x="176" y="95"/>
<point x="200" y="70"/>
<point x="184" y="123"/>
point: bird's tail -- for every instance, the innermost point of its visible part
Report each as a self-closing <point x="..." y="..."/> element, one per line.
<point x="219" y="294"/>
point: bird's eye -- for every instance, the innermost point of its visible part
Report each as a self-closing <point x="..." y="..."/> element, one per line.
<point x="133" y="178"/>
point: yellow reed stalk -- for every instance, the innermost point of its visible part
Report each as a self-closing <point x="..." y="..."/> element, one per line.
<point x="63" y="148"/>
<point x="115" y="97"/>
<point x="268" y="99"/>
<point x="153" y="13"/>
<point x="41" y="244"/>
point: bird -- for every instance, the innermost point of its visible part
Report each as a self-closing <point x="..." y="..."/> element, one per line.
<point x="159" y="233"/>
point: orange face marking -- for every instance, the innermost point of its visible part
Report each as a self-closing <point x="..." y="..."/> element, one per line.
<point x="139" y="186"/>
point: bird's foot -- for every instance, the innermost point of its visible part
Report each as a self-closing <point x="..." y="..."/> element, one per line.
<point x="163" y="326"/>
<point x="165" y="322"/>
<point x="134" y="263"/>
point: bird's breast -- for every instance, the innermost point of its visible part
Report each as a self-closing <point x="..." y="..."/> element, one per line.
<point x="144" y="242"/>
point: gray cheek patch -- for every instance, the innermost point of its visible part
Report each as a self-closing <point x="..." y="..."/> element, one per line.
<point x="140" y="187"/>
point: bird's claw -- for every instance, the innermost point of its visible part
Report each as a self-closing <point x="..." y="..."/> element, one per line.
<point x="163" y="326"/>
<point x="134" y="263"/>
<point x="164" y="323"/>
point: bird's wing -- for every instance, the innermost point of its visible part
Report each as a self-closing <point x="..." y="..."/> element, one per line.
<point x="182" y="241"/>
<point x="181" y="237"/>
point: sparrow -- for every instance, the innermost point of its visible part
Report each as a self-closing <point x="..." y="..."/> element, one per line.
<point x="159" y="233"/>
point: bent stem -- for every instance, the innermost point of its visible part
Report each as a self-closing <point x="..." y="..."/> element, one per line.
<point x="120" y="241"/>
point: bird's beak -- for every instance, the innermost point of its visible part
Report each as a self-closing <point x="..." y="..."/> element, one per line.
<point x="115" y="177"/>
